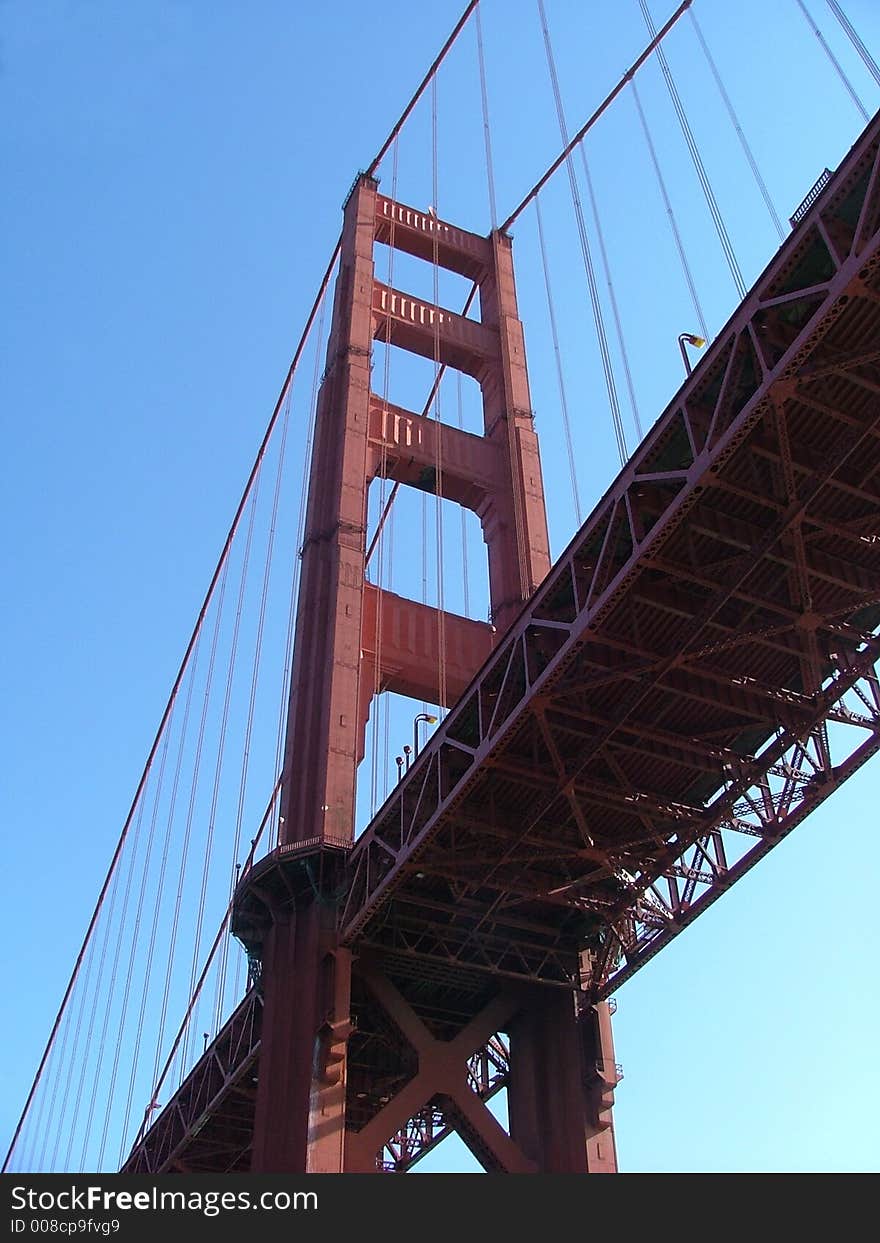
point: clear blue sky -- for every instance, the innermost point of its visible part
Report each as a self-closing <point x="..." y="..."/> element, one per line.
<point x="173" y="174"/>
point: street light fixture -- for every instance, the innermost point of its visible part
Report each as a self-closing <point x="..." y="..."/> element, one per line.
<point x="691" y="339"/>
<point x="429" y="720"/>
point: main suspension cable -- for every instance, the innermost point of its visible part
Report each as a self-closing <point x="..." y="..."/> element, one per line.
<point x="596" y="114"/>
<point x="420" y="89"/>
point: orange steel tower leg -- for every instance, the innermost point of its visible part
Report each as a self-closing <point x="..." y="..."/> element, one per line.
<point x="315" y="1112"/>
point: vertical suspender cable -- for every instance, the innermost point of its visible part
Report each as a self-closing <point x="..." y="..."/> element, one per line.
<point x="34" y="1133"/>
<point x="203" y="975"/>
<point x="699" y="167"/>
<point x="621" y="339"/>
<point x="853" y="36"/>
<point x="111" y="985"/>
<point x="464" y="543"/>
<point x="487" y="136"/>
<point x="438" y="494"/>
<point x="220" y="985"/>
<point x="850" y="89"/>
<point x="670" y="214"/>
<point x="596" y="114"/>
<point x="598" y="318"/>
<point x="169" y="968"/>
<point x="563" y="397"/>
<point x="135" y="844"/>
<point x="386" y="700"/>
<point x="731" y="112"/>
<point x="197" y="763"/>
<point x="221" y="753"/>
<point x="129" y="980"/>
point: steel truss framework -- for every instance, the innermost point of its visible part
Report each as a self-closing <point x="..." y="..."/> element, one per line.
<point x="208" y="1123"/>
<point x="697" y="672"/>
<point x="488" y="1072"/>
<point x="695" y="675"/>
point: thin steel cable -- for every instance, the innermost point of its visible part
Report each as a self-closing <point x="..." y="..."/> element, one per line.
<point x="172" y="807"/>
<point x="744" y="143"/>
<point x="136" y="925"/>
<point x="586" y="254"/>
<point x="197" y="762"/>
<point x="45" y="1132"/>
<point x="77" y="1029"/>
<point x="438" y="491"/>
<point x="670" y="215"/>
<point x="595" y="115"/>
<point x="87" y="979"/>
<point x="850" y="89"/>
<point x="221" y="743"/>
<point x="464" y="538"/>
<point x="154" y="1097"/>
<point x="120" y="934"/>
<point x="487" y="133"/>
<point x="111" y="987"/>
<point x="699" y="167"/>
<point x="420" y="89"/>
<point x="612" y="296"/>
<point x="151" y="947"/>
<point x="33" y="1129"/>
<point x="853" y="36"/>
<point x="386" y="705"/>
<point x="255" y="674"/>
<point x="108" y="915"/>
<point x="560" y="378"/>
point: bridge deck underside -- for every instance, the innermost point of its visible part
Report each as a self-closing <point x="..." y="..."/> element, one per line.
<point x="696" y="673"/>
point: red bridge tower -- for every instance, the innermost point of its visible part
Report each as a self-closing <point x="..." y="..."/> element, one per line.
<point x="365" y="1054"/>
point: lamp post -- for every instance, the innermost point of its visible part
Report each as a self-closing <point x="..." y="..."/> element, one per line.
<point x="691" y="339"/>
<point x="429" y="720"/>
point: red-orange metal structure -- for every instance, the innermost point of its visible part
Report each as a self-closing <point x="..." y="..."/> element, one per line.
<point x="696" y="673"/>
<point x="336" y="1111"/>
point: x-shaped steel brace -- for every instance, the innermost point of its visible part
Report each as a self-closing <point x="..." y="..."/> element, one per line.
<point x="443" y="1071"/>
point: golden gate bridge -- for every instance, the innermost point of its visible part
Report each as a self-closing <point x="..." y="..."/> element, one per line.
<point x="599" y="756"/>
